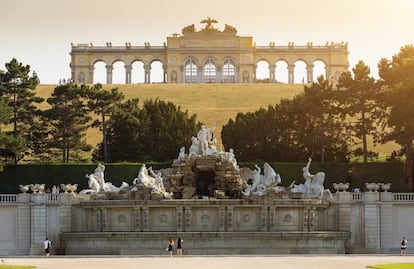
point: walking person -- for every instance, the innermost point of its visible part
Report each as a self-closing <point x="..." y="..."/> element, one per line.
<point x="46" y="246"/>
<point x="403" y="246"/>
<point x="179" y="246"/>
<point x="170" y="247"/>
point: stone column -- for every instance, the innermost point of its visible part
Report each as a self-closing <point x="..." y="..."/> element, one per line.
<point x="109" y="69"/>
<point x="164" y="80"/>
<point x="305" y="219"/>
<point x="344" y="211"/>
<point x="38" y="226"/>
<point x="144" y="218"/>
<point x="264" y="218"/>
<point x="313" y="219"/>
<point x="219" y="74"/>
<point x="272" y="70"/>
<point x="291" y="73"/>
<point x="200" y="76"/>
<point x="187" y="218"/>
<point x="309" y="70"/>
<point x="91" y="70"/>
<point x="222" y="219"/>
<point x="138" y="222"/>
<point x="147" y="70"/>
<point x="23" y="225"/>
<point x="372" y="222"/>
<point x="182" y="79"/>
<point x="180" y="219"/>
<point x="128" y="75"/>
<point x="386" y="220"/>
<point x="272" y="218"/>
<point x="230" y="214"/>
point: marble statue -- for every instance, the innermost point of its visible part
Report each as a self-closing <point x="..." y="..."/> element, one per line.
<point x="194" y="148"/>
<point x="313" y="185"/>
<point x="270" y="179"/>
<point x="97" y="182"/>
<point x="232" y="159"/>
<point x="152" y="181"/>
<point x="182" y="156"/>
<point x="205" y="137"/>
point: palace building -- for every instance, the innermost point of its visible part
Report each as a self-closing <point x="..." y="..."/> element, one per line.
<point x="209" y="55"/>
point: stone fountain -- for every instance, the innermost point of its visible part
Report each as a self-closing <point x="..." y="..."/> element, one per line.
<point x="206" y="198"/>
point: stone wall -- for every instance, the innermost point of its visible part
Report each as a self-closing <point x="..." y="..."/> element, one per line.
<point x="369" y="222"/>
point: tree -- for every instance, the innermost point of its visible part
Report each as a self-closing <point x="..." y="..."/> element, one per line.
<point x="398" y="80"/>
<point x="170" y="128"/>
<point x="154" y="132"/>
<point x="292" y="130"/>
<point x="321" y="128"/>
<point x="128" y="128"/>
<point x="67" y="120"/>
<point x="5" y="115"/>
<point x="357" y="96"/>
<point x="18" y="87"/>
<point x="102" y="103"/>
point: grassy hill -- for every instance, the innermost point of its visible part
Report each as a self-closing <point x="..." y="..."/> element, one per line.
<point x="212" y="103"/>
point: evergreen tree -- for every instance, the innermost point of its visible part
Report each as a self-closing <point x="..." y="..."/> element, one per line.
<point x="19" y="89"/>
<point x="67" y="120"/>
<point x="154" y="132"/>
<point x="398" y="80"/>
<point x="102" y="103"/>
<point x="358" y="98"/>
<point x="292" y="130"/>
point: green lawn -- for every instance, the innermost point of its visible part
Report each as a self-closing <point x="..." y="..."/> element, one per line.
<point x="16" y="267"/>
<point x="393" y="266"/>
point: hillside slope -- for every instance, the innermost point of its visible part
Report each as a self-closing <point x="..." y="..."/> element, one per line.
<point x="212" y="103"/>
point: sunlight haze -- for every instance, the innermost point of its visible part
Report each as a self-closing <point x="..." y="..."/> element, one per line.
<point x="39" y="33"/>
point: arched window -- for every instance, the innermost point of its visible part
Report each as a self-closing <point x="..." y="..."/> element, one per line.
<point x="209" y="71"/>
<point x="229" y="71"/>
<point x="190" y="72"/>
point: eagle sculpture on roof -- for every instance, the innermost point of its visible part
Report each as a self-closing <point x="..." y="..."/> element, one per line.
<point x="209" y="21"/>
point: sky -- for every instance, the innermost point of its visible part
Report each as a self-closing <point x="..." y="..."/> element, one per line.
<point x="39" y="32"/>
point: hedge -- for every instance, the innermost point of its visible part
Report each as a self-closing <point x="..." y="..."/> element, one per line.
<point x="55" y="174"/>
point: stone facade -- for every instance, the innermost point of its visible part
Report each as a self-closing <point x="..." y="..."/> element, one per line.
<point x="207" y="56"/>
<point x="369" y="222"/>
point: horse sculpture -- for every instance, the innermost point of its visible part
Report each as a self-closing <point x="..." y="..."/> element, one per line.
<point x="262" y="182"/>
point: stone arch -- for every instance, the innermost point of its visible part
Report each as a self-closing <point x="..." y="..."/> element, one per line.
<point x="300" y="71"/>
<point x="190" y="72"/>
<point x="262" y="70"/>
<point x="229" y="72"/>
<point x="137" y="71"/>
<point x="281" y="71"/>
<point x="156" y="71"/>
<point x="210" y="73"/>
<point x="118" y="71"/>
<point x="98" y="72"/>
<point x="318" y="69"/>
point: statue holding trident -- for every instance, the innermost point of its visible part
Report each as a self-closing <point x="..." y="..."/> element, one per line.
<point x="205" y="138"/>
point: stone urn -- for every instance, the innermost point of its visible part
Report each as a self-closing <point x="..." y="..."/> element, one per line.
<point x="25" y="188"/>
<point x="341" y="186"/>
<point x="385" y="186"/>
<point x="69" y="188"/>
<point x="372" y="187"/>
<point x="37" y="188"/>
